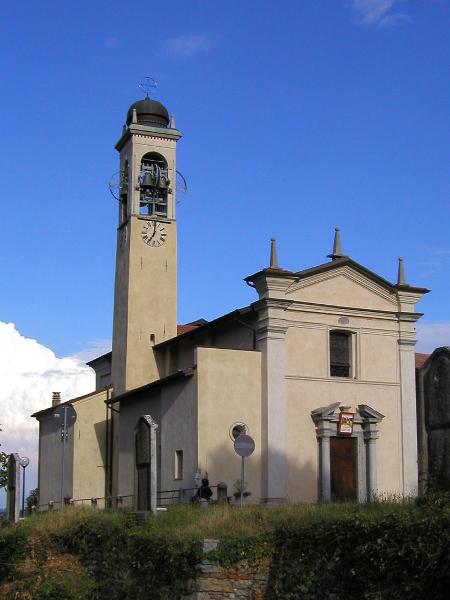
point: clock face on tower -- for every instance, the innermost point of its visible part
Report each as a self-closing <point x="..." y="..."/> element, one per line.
<point x="154" y="233"/>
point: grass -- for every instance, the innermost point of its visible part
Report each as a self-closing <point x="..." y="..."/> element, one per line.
<point x="218" y="521"/>
<point x="84" y="553"/>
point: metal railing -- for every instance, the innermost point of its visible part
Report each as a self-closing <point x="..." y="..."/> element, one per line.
<point x="164" y="498"/>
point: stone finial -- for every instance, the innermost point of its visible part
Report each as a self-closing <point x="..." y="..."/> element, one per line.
<point x="134" y="117"/>
<point x="56" y="398"/>
<point x="273" y="254"/>
<point x="337" y="246"/>
<point x="172" y="122"/>
<point x="401" y="272"/>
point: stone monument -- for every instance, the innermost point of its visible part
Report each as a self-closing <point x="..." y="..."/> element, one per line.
<point x="146" y="464"/>
<point x="13" y="489"/>
<point x="433" y="414"/>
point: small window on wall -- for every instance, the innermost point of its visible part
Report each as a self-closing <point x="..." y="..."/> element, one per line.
<point x="178" y="464"/>
<point x="340" y="354"/>
<point x="237" y="429"/>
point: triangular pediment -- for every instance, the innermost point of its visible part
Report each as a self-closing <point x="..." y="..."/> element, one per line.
<point x="344" y="286"/>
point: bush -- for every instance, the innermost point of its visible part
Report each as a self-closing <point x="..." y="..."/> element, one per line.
<point x="160" y="567"/>
<point x="13" y="548"/>
<point x="328" y="552"/>
<point x="65" y="586"/>
<point x="100" y="542"/>
<point x="248" y="548"/>
<point x="403" y="555"/>
<point x="127" y="561"/>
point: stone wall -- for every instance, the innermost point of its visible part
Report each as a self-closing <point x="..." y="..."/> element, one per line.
<point x="235" y="583"/>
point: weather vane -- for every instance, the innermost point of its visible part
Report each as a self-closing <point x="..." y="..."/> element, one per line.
<point x="147" y="85"/>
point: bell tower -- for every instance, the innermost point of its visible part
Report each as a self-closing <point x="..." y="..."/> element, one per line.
<point x="145" y="295"/>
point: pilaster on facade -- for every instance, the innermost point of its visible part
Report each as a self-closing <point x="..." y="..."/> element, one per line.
<point x="324" y="418"/>
<point x="408" y="413"/>
<point x="407" y="297"/>
<point x="406" y="345"/>
<point x="271" y="340"/>
<point x="271" y="284"/>
<point x="370" y="420"/>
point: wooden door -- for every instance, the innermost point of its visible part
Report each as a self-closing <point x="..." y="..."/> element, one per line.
<point x="343" y="469"/>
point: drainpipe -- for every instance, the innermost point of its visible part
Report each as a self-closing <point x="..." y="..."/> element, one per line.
<point x="107" y="461"/>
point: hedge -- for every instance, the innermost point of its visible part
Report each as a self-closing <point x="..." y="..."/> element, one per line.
<point x="13" y="548"/>
<point x="127" y="561"/>
<point x="373" y="552"/>
<point x="403" y="555"/>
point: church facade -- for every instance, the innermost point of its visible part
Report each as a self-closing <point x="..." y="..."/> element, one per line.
<point x="319" y="369"/>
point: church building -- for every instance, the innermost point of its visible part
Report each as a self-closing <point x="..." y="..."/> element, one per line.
<point x="319" y="369"/>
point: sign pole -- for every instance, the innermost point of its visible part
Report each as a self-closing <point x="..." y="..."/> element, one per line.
<point x="244" y="445"/>
<point x="242" y="480"/>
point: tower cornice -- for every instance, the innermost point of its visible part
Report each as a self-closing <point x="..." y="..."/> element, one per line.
<point x="152" y="132"/>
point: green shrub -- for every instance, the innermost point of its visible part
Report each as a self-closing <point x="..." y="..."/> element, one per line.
<point x="100" y="542"/>
<point x="160" y="567"/>
<point x="127" y="561"/>
<point x="65" y="586"/>
<point x="13" y="548"/>
<point x="250" y="549"/>
<point x="403" y="555"/>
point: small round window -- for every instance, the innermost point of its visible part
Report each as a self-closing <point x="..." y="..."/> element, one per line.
<point x="237" y="429"/>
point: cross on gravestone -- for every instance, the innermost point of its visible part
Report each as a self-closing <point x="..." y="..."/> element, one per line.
<point x="146" y="464"/>
<point x="13" y="489"/>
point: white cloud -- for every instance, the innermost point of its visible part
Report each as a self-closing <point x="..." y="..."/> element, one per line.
<point x="188" y="45"/>
<point x="431" y="335"/>
<point x="93" y="349"/>
<point x="377" y="13"/>
<point x="29" y="373"/>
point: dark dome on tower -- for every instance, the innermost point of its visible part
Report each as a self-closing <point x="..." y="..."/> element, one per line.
<point x="149" y="112"/>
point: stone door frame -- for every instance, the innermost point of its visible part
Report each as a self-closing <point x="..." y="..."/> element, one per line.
<point x="365" y="430"/>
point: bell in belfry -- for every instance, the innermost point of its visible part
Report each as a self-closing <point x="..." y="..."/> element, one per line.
<point x="147" y="180"/>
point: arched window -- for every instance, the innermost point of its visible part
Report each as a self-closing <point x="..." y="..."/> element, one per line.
<point x="340" y="354"/>
<point x="153" y="185"/>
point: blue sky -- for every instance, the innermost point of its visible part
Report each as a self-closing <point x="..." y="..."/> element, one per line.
<point x="297" y="116"/>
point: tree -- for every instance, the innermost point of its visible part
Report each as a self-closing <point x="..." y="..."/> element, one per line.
<point x="3" y="468"/>
<point x="33" y="499"/>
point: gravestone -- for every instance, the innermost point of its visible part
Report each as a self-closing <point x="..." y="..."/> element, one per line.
<point x="433" y="400"/>
<point x="13" y="488"/>
<point x="146" y="464"/>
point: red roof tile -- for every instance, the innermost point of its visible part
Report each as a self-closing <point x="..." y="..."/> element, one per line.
<point x="420" y="359"/>
<point x="185" y="328"/>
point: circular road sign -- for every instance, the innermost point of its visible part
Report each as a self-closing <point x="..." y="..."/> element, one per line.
<point x="244" y="445"/>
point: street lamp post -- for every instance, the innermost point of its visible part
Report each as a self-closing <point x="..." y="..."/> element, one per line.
<point x="64" y="441"/>
<point x="68" y="417"/>
<point x="24" y="462"/>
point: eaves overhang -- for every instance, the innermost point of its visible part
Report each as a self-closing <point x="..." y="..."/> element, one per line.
<point x="94" y="361"/>
<point x="239" y="312"/>
<point x="151" y="386"/>
<point x="271" y="272"/>
<point x="48" y="410"/>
